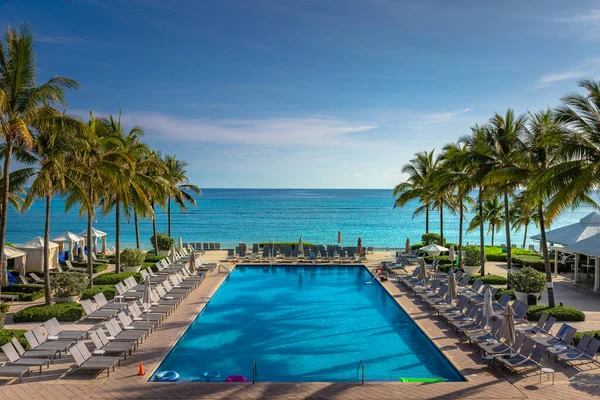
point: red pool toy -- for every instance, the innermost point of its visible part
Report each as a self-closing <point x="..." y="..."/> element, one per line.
<point x="236" y="378"/>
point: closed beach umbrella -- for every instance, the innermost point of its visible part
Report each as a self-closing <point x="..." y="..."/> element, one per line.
<point x="180" y="244"/>
<point x="300" y="246"/>
<point x="451" y="255"/>
<point x="192" y="262"/>
<point x="508" y="326"/>
<point x="407" y="248"/>
<point x="422" y="270"/>
<point x="339" y="237"/>
<point x="359" y="247"/>
<point x="172" y="255"/>
<point x="452" y="287"/>
<point x="488" y="310"/>
<point x="147" y="297"/>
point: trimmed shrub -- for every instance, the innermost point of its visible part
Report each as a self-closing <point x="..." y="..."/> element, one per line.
<point x="21" y="288"/>
<point x="112" y="278"/>
<point x="501" y="291"/>
<point x="535" y="262"/>
<point x="471" y="256"/>
<point x="431" y="238"/>
<point x="561" y="313"/>
<point x="6" y="336"/>
<point x="65" y="312"/>
<point x="132" y="257"/>
<point x="4" y="307"/>
<point x="109" y="292"/>
<point x="153" y="259"/>
<point x="490" y="279"/>
<point x="496" y="257"/>
<point x="579" y="335"/>
<point x="164" y="242"/>
<point x="527" y="280"/>
<point x="27" y="296"/>
<point x="69" y="284"/>
<point x="442" y="260"/>
<point x="96" y="267"/>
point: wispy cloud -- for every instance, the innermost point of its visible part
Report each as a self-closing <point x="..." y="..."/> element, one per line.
<point x="588" y="21"/>
<point x="592" y="15"/>
<point x="275" y="132"/>
<point x="586" y="68"/>
<point x="446" y="115"/>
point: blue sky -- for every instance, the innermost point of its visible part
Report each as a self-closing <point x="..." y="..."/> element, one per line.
<point x="328" y="93"/>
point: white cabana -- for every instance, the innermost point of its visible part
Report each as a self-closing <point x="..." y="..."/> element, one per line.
<point x="72" y="239"/>
<point x="19" y="256"/>
<point x="96" y="234"/>
<point x="34" y="255"/>
<point x="589" y="247"/>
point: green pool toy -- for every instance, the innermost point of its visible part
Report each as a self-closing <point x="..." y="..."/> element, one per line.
<point x="424" y="380"/>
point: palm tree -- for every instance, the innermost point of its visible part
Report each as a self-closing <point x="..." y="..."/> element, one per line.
<point x="493" y="215"/>
<point x="522" y="214"/>
<point x="52" y="150"/>
<point x="419" y="185"/>
<point x="456" y="175"/>
<point x="442" y="195"/>
<point x="22" y="102"/>
<point x="99" y="161"/>
<point x="504" y="136"/>
<point x="156" y="171"/>
<point x="181" y="188"/>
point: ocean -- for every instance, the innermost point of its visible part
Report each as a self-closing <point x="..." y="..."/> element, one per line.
<point x="230" y="216"/>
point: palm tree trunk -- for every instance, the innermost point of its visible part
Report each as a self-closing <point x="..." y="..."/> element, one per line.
<point x="525" y="236"/>
<point x="154" y="228"/>
<point x="118" y="236"/>
<point x="4" y="212"/>
<point x="544" y="249"/>
<point x="507" y="225"/>
<point x="493" y="232"/>
<point x="442" y="224"/>
<point x="460" y="232"/>
<point x="169" y="216"/>
<point x="481" y="237"/>
<point x="90" y="264"/>
<point x="46" y="256"/>
<point x="137" y="229"/>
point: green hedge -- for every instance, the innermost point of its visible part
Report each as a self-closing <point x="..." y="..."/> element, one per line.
<point x="109" y="292"/>
<point x="501" y="291"/>
<point x="65" y="312"/>
<point x="96" y="267"/>
<point x="6" y="336"/>
<point x="579" y="335"/>
<point x="490" y="279"/>
<point x="4" y="307"/>
<point x="561" y="313"/>
<point x="27" y="296"/>
<point x="535" y="262"/>
<point x="443" y="260"/>
<point x="21" y="288"/>
<point x="112" y="279"/>
<point x="154" y="259"/>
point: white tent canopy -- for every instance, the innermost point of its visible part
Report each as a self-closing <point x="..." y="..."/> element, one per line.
<point x="68" y="237"/>
<point x="34" y="251"/>
<point x="96" y="233"/>
<point x="589" y="247"/>
<point x="11" y="252"/>
<point x="434" y="249"/>
<point x="586" y="227"/>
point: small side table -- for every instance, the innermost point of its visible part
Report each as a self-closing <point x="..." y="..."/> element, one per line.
<point x="119" y="298"/>
<point x="548" y="372"/>
<point x="488" y="360"/>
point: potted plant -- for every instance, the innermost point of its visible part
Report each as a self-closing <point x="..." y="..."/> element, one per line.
<point x="471" y="259"/>
<point x="132" y="259"/>
<point x="164" y="243"/>
<point x="67" y="287"/>
<point x="526" y="282"/>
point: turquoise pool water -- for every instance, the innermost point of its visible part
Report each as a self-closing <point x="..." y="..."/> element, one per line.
<point x="305" y="324"/>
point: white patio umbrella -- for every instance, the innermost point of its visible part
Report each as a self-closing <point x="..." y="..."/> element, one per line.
<point x="147" y="297"/>
<point x="488" y="310"/>
<point x="451" y="255"/>
<point x="172" y="253"/>
<point x="339" y="239"/>
<point x="452" y="287"/>
<point x="300" y="246"/>
<point x="423" y="274"/>
<point x="192" y="262"/>
<point x="407" y="246"/>
<point x="434" y="249"/>
<point x="359" y="248"/>
<point x="180" y="244"/>
<point x="507" y="332"/>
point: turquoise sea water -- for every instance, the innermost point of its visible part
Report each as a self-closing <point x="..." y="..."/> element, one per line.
<point x="305" y="324"/>
<point x="231" y="216"/>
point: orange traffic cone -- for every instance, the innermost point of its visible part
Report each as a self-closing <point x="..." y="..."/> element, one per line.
<point x="141" y="370"/>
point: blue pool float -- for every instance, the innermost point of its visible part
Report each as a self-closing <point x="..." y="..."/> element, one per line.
<point x="210" y="375"/>
<point x="166" y="376"/>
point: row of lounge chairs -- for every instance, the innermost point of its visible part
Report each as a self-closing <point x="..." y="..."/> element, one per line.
<point x="121" y="325"/>
<point x="197" y="246"/>
<point x="288" y="254"/>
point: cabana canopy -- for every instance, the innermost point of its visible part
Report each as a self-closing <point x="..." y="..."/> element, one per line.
<point x="72" y="239"/>
<point x="34" y="251"/>
<point x="96" y="233"/>
<point x="586" y="227"/>
<point x="589" y="247"/>
<point x="11" y="252"/>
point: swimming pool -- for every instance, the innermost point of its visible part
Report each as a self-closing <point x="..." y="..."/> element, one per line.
<point x="304" y="324"/>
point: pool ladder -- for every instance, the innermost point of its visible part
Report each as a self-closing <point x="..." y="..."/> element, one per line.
<point x="254" y="372"/>
<point x="361" y="364"/>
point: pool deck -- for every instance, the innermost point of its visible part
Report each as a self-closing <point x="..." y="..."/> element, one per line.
<point x="56" y="383"/>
